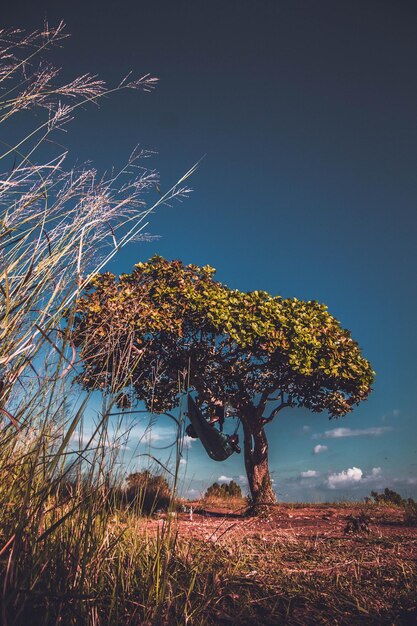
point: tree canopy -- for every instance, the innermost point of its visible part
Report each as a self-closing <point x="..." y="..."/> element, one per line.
<point x="164" y="318"/>
<point x="225" y="490"/>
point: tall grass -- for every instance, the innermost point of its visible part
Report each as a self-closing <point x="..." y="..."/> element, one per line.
<point x="58" y="228"/>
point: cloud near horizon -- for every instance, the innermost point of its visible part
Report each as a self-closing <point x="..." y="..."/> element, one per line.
<point x="336" y="433"/>
<point x="309" y="474"/>
<point x="240" y="480"/>
<point x="345" y="477"/>
<point x="224" y="479"/>
<point x="351" y="476"/>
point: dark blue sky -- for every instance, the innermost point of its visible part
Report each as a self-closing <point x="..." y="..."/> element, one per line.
<point x="306" y="112"/>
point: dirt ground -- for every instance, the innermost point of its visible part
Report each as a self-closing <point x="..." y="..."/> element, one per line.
<point x="290" y="523"/>
<point x="300" y="566"/>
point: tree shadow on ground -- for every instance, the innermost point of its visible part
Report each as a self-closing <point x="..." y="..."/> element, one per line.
<point x="219" y="514"/>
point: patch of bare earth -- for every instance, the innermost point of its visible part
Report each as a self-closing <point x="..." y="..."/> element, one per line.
<point x="300" y="565"/>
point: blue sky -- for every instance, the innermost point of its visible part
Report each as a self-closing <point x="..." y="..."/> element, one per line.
<point x="306" y="115"/>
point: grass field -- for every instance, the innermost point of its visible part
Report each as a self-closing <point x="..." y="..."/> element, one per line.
<point x="299" y="565"/>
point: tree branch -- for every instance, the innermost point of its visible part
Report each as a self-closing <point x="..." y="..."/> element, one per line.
<point x="274" y="412"/>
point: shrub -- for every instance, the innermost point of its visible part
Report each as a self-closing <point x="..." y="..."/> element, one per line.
<point x="357" y="524"/>
<point x="410" y="512"/>
<point x="388" y="497"/>
<point x="148" y="492"/>
<point x="230" y="490"/>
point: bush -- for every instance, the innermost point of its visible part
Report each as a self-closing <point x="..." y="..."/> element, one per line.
<point x="148" y="492"/>
<point x="230" y="490"/>
<point x="410" y="512"/>
<point x="356" y="524"/>
<point x="388" y="497"/>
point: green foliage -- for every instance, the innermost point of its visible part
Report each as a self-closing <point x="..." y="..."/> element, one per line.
<point x="148" y="491"/>
<point x="356" y="524"/>
<point x="230" y="490"/>
<point x="138" y="332"/>
<point x="388" y="497"/>
<point x="410" y="512"/>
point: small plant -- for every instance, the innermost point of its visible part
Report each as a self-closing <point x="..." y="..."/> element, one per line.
<point x="357" y="524"/>
<point x="410" y="512"/>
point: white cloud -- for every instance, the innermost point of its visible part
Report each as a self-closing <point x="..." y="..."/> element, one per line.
<point x="224" y="479"/>
<point x="336" y="433"/>
<point x="376" y="472"/>
<point x="183" y="462"/>
<point x="242" y="480"/>
<point x="153" y="434"/>
<point x="192" y="493"/>
<point x="82" y="440"/>
<point x="318" y="449"/>
<point x="306" y="429"/>
<point x="187" y="442"/>
<point x="351" y="476"/>
<point x="309" y="474"/>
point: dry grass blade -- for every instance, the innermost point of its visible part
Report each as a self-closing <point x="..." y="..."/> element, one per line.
<point x="11" y="418"/>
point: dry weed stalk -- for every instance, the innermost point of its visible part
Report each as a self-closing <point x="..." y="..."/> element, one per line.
<point x="58" y="228"/>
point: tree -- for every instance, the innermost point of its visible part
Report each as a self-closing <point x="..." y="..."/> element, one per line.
<point x="259" y="353"/>
<point x="225" y="490"/>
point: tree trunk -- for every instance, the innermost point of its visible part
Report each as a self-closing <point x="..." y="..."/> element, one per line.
<point x="256" y="463"/>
